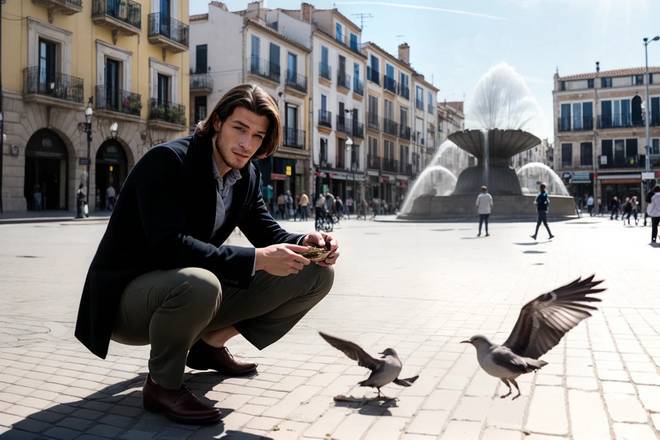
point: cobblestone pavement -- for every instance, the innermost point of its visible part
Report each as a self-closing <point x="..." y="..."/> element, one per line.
<point x="420" y="288"/>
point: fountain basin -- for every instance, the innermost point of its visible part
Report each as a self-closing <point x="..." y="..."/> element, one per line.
<point x="428" y="207"/>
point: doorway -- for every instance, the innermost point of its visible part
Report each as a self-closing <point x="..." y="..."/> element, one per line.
<point x="46" y="165"/>
<point x="111" y="169"/>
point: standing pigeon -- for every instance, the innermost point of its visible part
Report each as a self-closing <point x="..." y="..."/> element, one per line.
<point x="541" y="324"/>
<point x="383" y="370"/>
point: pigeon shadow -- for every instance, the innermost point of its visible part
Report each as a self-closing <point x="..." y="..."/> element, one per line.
<point x="654" y="245"/>
<point x="534" y="252"/>
<point x="470" y="238"/>
<point x="531" y="243"/>
<point x="117" y="411"/>
<point x="368" y="406"/>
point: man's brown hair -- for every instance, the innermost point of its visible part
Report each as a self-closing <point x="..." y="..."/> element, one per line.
<point x="253" y="98"/>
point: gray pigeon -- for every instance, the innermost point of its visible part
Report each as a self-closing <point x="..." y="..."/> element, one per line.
<point x="383" y="371"/>
<point x="541" y="324"/>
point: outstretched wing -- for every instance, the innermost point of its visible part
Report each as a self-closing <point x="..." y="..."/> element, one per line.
<point x="546" y="319"/>
<point x="353" y="351"/>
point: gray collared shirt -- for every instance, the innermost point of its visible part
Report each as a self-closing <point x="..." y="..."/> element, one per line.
<point x="224" y="196"/>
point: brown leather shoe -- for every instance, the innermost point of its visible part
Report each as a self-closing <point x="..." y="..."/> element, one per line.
<point x="205" y="357"/>
<point x="180" y="405"/>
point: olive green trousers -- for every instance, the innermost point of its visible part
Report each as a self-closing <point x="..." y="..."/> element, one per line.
<point x="172" y="309"/>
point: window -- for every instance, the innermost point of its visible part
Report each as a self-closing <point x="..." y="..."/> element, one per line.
<point x="291" y="125"/>
<point x="339" y="32"/>
<point x="47" y="65"/>
<point x="403" y="86"/>
<point x="200" y="108"/>
<point x="354" y="44"/>
<point x="419" y="98"/>
<point x="274" y="61"/>
<point x="590" y="83"/>
<point x="373" y="147"/>
<point x="606" y="82"/>
<point x="323" y="152"/>
<point x="373" y="72"/>
<point x="565" y="119"/>
<point x="655" y="111"/>
<point x="325" y="66"/>
<point x="356" y="76"/>
<point x="567" y="155"/>
<point x="163" y="89"/>
<point x="430" y="102"/>
<point x="655" y="146"/>
<point x="389" y="109"/>
<point x="403" y="114"/>
<point x="292" y="67"/>
<point x="201" y="58"/>
<point x="254" y="53"/>
<point x="324" y="103"/>
<point x="607" y="152"/>
<point x="112" y="84"/>
<point x="586" y="154"/>
<point x="631" y="151"/>
<point x="638" y="80"/>
<point x="576" y="116"/>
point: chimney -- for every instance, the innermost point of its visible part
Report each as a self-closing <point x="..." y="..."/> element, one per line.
<point x="404" y="53"/>
<point x="597" y="66"/>
<point x="220" y="5"/>
<point x="255" y="6"/>
<point x="307" y="10"/>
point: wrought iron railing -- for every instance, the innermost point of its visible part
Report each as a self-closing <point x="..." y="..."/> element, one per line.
<point x="167" y="111"/>
<point x="373" y="162"/>
<point x="404" y="132"/>
<point x="372" y="120"/>
<point x="373" y="75"/>
<point x="118" y="100"/>
<point x="344" y="80"/>
<point x="128" y="11"/>
<point x="265" y="68"/>
<point x="298" y="82"/>
<point x="389" y="83"/>
<point x="56" y="85"/>
<point x="390" y="127"/>
<point x="294" y="138"/>
<point x="325" y="118"/>
<point x="585" y="123"/>
<point x="170" y="28"/>
<point x="325" y="70"/>
<point x="201" y="81"/>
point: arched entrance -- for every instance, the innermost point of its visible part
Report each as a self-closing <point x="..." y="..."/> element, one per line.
<point x="111" y="169"/>
<point x="46" y="165"/>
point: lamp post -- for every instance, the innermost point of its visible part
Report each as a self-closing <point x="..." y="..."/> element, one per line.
<point x="89" y="112"/>
<point x="114" y="130"/>
<point x="349" y="150"/>
<point x="647" y="112"/>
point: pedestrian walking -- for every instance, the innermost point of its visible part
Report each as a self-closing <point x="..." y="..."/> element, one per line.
<point x="542" y="202"/>
<point x="614" y="208"/>
<point x="653" y="210"/>
<point x="627" y="211"/>
<point x="590" y="205"/>
<point x="110" y="197"/>
<point x="635" y="209"/>
<point x="81" y="201"/>
<point x="484" y="205"/>
<point x="303" y="203"/>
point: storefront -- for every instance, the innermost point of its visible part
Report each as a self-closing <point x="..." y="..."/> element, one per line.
<point x="46" y="176"/>
<point x="620" y="185"/>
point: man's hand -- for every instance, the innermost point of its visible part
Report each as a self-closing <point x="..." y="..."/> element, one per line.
<point x="281" y="259"/>
<point x="320" y="239"/>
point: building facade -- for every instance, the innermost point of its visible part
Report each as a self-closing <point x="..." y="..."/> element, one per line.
<point x="122" y="64"/>
<point x="451" y="118"/>
<point x="600" y="131"/>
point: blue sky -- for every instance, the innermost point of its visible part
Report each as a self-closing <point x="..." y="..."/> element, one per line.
<point x="454" y="42"/>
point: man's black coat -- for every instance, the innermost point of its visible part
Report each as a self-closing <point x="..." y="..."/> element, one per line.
<point x="164" y="219"/>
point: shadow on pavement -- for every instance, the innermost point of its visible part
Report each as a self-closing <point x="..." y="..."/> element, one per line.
<point x="534" y="252"/>
<point x="116" y="411"/>
<point x="368" y="406"/>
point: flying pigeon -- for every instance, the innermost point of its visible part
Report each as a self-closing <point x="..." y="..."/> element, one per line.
<point x="541" y="324"/>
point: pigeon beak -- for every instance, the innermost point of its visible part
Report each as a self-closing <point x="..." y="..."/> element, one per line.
<point x="465" y="342"/>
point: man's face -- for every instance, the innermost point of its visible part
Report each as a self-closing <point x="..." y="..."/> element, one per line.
<point x="239" y="138"/>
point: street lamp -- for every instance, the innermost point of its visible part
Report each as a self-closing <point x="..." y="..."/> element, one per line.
<point x="647" y="164"/>
<point x="114" y="130"/>
<point x="89" y="112"/>
<point x="349" y="150"/>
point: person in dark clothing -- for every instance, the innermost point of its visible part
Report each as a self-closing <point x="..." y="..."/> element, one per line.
<point x="81" y="199"/>
<point x="614" y="208"/>
<point x="542" y="202"/>
<point x="163" y="274"/>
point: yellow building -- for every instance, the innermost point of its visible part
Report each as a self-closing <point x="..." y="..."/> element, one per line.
<point x="122" y="64"/>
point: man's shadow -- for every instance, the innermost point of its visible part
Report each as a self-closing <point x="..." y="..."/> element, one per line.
<point x="116" y="411"/>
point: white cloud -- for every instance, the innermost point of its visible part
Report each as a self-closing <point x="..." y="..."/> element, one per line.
<point x="424" y="8"/>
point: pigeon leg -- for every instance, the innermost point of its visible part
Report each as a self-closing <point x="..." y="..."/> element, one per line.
<point x="508" y="386"/>
<point x="378" y="388"/>
<point x="515" y="384"/>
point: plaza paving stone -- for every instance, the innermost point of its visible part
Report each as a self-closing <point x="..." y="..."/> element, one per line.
<point x="418" y="287"/>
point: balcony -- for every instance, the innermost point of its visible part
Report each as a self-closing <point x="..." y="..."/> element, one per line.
<point x="373" y="162"/>
<point x="201" y="83"/>
<point x="358" y="129"/>
<point x="373" y="76"/>
<point x="294" y="138"/>
<point x="584" y="124"/>
<point x="624" y="162"/>
<point x="419" y="104"/>
<point x="404" y="132"/>
<point x="390" y="165"/>
<point x="344" y="124"/>
<point x="405" y="169"/>
<point x="358" y="86"/>
<point x="168" y="32"/>
<point x="344" y="80"/>
<point x="295" y="81"/>
<point x="404" y="91"/>
<point x="372" y="121"/>
<point x="123" y="16"/>
<point x="390" y="127"/>
<point x="265" y="69"/>
<point x="66" y="7"/>
<point x="167" y="115"/>
<point x="389" y="84"/>
<point x="59" y="89"/>
<point x="325" y="71"/>
<point x="619" y="120"/>
<point x="120" y="101"/>
<point x="325" y="118"/>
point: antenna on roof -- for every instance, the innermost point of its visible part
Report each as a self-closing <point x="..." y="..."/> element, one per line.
<point x="362" y="16"/>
